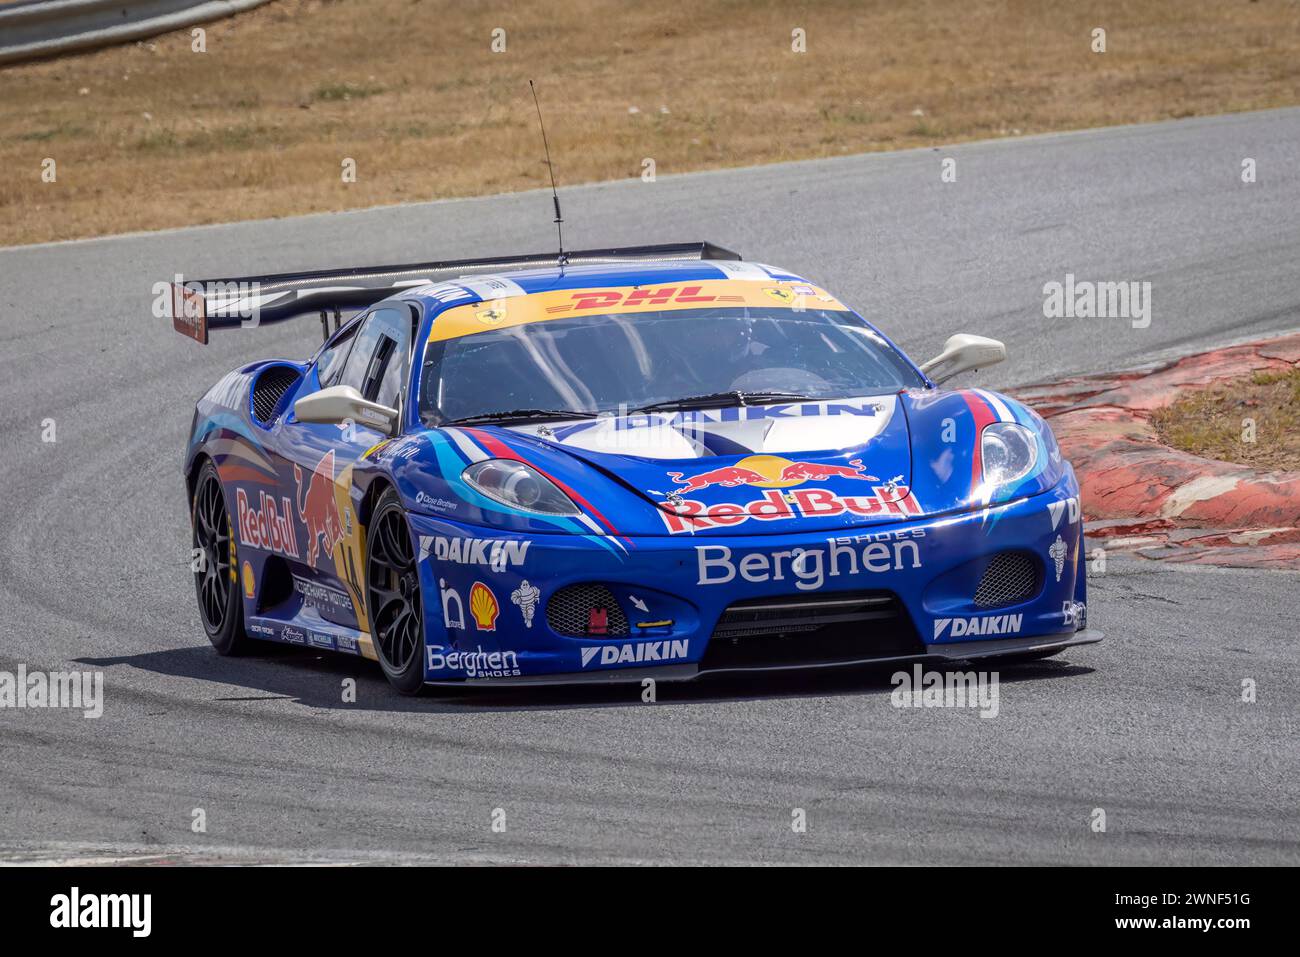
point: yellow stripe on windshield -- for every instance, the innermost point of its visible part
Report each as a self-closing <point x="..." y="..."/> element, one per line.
<point x="653" y="297"/>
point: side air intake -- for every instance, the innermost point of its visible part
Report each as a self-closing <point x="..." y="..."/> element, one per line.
<point x="269" y="389"/>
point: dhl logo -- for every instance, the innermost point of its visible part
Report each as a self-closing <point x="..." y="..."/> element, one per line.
<point x="522" y="310"/>
<point x="618" y="298"/>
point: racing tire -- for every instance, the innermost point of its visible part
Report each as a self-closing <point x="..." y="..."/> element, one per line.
<point x="216" y="576"/>
<point x="393" y="599"/>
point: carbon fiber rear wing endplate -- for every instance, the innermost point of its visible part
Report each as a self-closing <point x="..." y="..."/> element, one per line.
<point x="202" y="304"/>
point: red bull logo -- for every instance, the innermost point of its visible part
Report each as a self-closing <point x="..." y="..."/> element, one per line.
<point x="820" y="472"/>
<point x="266" y="526"/>
<point x="728" y="477"/>
<point x="768" y="471"/>
<point x="691" y="515"/>
<point x="318" y="509"/>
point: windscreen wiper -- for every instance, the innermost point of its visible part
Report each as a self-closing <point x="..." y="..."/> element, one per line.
<point x="520" y="415"/>
<point x="721" y="399"/>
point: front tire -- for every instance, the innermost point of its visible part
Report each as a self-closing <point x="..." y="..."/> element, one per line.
<point x="215" y="577"/>
<point x="393" y="598"/>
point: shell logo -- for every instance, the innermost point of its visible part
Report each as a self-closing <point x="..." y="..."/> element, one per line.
<point x="483" y="606"/>
<point x="250" y="583"/>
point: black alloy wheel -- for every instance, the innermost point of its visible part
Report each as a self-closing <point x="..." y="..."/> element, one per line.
<point x="393" y="596"/>
<point x="215" y="576"/>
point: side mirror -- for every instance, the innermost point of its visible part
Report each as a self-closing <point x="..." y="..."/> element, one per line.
<point x="962" y="353"/>
<point x="341" y="403"/>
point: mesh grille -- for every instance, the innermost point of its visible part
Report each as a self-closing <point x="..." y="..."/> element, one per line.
<point x="270" y="388"/>
<point x="569" y="612"/>
<point x="1010" y="578"/>
<point x="797" y="614"/>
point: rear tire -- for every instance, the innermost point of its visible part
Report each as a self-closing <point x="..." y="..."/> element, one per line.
<point x="216" y="579"/>
<point x="393" y="599"/>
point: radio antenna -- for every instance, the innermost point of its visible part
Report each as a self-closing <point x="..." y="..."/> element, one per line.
<point x="555" y="196"/>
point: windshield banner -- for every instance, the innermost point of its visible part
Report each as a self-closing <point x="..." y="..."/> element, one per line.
<point x="796" y="296"/>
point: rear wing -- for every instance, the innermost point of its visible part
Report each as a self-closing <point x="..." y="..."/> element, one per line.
<point x="202" y="304"/>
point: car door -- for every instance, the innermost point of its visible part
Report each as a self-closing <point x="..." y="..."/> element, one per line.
<point x="317" y="471"/>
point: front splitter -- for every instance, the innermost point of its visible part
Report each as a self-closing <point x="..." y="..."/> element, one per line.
<point x="945" y="653"/>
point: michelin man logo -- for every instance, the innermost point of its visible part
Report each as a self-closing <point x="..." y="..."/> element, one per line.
<point x="526" y="597"/>
<point x="1057" y="551"/>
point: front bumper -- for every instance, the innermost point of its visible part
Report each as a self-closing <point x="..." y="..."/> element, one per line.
<point x="939" y="655"/>
<point x="487" y="594"/>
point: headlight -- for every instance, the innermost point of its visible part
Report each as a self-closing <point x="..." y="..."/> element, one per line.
<point x="1009" y="453"/>
<point x="520" y="486"/>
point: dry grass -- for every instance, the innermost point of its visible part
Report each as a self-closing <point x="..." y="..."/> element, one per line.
<point x="1210" y="423"/>
<point x="152" y="135"/>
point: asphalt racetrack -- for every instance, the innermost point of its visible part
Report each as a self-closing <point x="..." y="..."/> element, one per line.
<point x="1148" y="726"/>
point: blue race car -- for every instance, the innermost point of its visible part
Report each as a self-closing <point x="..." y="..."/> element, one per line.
<point x="657" y="462"/>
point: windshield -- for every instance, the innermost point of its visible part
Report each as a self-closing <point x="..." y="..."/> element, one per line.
<point x="620" y="362"/>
